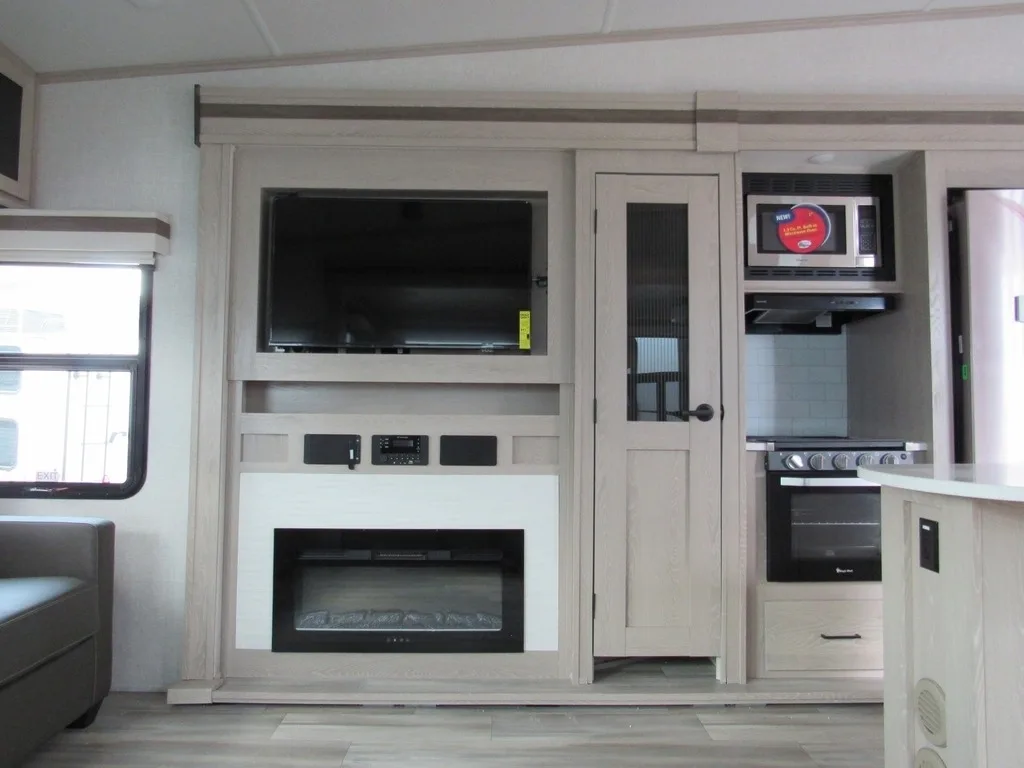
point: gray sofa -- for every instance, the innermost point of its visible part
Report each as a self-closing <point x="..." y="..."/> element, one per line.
<point x="56" y="592"/>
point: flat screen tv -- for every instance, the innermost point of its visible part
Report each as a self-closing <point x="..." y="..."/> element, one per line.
<point x="395" y="273"/>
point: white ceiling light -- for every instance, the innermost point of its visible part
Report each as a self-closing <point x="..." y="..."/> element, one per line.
<point x="822" y="158"/>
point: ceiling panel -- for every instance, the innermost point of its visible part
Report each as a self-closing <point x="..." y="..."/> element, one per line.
<point x="311" y="26"/>
<point x="75" y="34"/>
<point x="655" y="14"/>
<point x="62" y="35"/>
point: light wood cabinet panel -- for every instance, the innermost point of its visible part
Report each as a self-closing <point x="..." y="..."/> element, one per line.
<point x="813" y="635"/>
<point x="658" y="544"/>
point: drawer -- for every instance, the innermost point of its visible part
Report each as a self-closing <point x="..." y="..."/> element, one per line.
<point x="806" y="635"/>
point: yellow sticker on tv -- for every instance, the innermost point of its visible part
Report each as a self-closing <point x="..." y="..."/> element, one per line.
<point x="524" y="329"/>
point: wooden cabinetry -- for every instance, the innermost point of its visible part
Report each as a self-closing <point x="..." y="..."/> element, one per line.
<point x="807" y="630"/>
<point x="17" y="129"/>
<point x="657" y="499"/>
<point x="808" y="635"/>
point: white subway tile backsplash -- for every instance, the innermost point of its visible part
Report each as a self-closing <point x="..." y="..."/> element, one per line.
<point x="809" y="392"/>
<point x="792" y="374"/>
<point x="796" y="385"/>
<point x="835" y="357"/>
<point x="826" y="409"/>
<point x="827" y="341"/>
<point x="792" y="409"/>
<point x="836" y="391"/>
<point x="807" y="356"/>
<point x="837" y="426"/>
<point x="824" y="374"/>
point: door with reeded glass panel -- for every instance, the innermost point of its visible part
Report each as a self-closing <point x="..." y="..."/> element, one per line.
<point x="657" y="558"/>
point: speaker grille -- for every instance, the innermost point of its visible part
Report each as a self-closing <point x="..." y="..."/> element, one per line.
<point x="928" y="758"/>
<point x="930" y="702"/>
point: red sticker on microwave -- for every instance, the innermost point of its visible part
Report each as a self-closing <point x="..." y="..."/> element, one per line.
<point x="804" y="228"/>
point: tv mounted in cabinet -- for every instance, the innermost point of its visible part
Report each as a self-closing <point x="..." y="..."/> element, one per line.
<point x="17" y="110"/>
<point x="395" y="272"/>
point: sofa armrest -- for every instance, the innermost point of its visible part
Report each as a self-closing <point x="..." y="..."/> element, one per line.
<point x="81" y="547"/>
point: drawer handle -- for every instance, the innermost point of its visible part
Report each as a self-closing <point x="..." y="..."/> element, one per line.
<point x="840" y="637"/>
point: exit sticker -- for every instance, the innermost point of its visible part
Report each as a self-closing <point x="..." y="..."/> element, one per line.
<point x="804" y="228"/>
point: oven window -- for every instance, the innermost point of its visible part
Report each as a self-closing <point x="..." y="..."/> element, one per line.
<point x="768" y="232"/>
<point x="836" y="526"/>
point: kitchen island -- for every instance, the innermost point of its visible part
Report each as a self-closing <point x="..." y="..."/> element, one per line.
<point x="953" y="616"/>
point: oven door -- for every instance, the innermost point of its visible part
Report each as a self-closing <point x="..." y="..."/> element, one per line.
<point x="823" y="527"/>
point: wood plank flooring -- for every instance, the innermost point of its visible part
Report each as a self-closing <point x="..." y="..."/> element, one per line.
<point x="141" y="731"/>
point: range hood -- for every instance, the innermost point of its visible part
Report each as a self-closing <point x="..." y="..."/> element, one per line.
<point x="811" y="312"/>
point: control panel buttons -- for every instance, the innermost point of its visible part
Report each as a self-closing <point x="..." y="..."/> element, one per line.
<point x="817" y="461"/>
<point x="401" y="450"/>
<point x="794" y="461"/>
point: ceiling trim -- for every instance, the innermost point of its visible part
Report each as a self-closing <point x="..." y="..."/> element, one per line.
<point x="495" y="46"/>
<point x="568" y="115"/>
<point x="447" y="114"/>
<point x="571" y="115"/>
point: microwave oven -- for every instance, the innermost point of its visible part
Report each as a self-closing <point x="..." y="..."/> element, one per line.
<point x="798" y="232"/>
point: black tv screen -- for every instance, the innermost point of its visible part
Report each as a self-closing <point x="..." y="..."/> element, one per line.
<point x="395" y="272"/>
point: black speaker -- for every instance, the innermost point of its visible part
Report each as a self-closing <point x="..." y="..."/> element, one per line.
<point x="469" y="450"/>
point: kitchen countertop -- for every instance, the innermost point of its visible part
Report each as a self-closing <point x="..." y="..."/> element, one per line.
<point x="996" y="482"/>
<point x="757" y="446"/>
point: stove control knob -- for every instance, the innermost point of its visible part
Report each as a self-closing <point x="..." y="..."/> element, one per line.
<point x="841" y="461"/>
<point x="794" y="461"/>
<point x="818" y="461"/>
<point x="889" y="459"/>
<point x="865" y="460"/>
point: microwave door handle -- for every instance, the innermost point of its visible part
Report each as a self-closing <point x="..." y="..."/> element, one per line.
<point x="826" y="482"/>
<point x="853" y="230"/>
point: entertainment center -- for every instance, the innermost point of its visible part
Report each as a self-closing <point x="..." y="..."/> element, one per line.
<point x="424" y="325"/>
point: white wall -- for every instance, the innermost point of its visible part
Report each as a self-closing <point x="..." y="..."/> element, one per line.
<point x="128" y="144"/>
<point x="125" y="146"/>
<point x="796" y="385"/>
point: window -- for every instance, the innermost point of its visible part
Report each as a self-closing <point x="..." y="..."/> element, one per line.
<point x="74" y="370"/>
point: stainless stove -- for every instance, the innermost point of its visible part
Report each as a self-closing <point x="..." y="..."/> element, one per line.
<point x="823" y="523"/>
<point x="823" y="454"/>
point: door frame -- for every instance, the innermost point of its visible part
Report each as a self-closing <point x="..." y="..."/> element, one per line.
<point x="731" y="663"/>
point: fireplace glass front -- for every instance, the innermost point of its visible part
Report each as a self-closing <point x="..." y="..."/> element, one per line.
<point x="408" y="591"/>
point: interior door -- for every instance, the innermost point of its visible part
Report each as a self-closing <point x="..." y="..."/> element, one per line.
<point x="657" y="572"/>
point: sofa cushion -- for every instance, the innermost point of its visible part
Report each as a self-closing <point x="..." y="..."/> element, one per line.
<point x="42" y="617"/>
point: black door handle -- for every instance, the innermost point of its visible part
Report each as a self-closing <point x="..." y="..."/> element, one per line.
<point x="840" y="637"/>
<point x="702" y="412"/>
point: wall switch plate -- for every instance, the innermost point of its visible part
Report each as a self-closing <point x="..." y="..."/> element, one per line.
<point x="928" y="536"/>
<point x="332" y="449"/>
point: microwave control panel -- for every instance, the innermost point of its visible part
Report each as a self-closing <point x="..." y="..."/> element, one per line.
<point x="867" y="226"/>
<point x="401" y="450"/>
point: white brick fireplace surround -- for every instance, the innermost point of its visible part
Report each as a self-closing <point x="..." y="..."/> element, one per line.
<point x="388" y="501"/>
